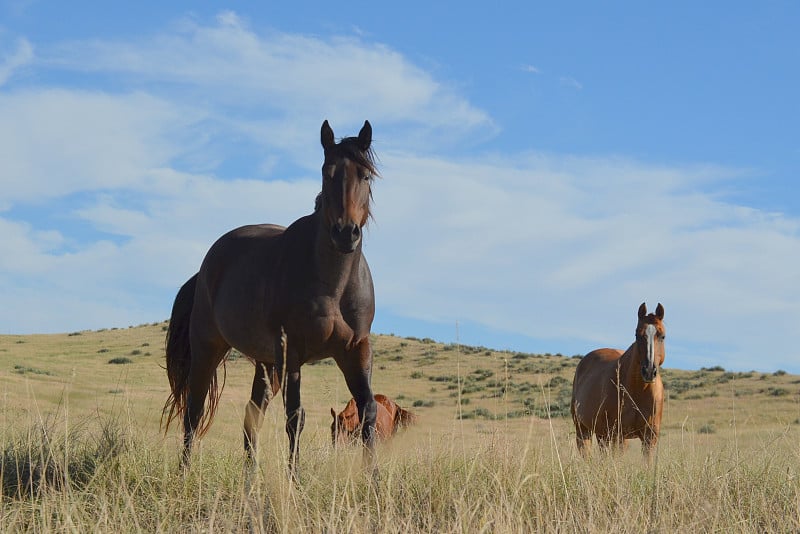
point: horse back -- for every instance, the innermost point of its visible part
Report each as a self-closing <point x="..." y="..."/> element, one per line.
<point x="244" y="251"/>
<point x="597" y="363"/>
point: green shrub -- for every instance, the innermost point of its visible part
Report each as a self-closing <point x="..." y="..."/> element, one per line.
<point x="476" y="413"/>
<point x="21" y="370"/>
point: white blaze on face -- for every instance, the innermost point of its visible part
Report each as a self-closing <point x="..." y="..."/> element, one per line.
<point x="650" y="335"/>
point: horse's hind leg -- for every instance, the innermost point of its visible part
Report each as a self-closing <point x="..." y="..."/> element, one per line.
<point x="295" y="417"/>
<point x="259" y="400"/>
<point x="206" y="356"/>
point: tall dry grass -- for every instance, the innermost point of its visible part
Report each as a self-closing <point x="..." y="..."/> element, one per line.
<point x="107" y="475"/>
<point x="82" y="452"/>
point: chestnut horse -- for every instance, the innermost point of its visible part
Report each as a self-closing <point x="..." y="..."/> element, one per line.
<point x="309" y="280"/>
<point x="619" y="396"/>
<point x="390" y="418"/>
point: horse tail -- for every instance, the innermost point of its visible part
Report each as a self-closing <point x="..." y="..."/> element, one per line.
<point x="405" y="418"/>
<point x="179" y="356"/>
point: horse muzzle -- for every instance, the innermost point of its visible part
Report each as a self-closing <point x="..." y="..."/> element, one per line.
<point x="345" y="237"/>
<point x="649" y="373"/>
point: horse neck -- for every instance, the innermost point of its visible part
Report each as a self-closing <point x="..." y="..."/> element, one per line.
<point x="332" y="268"/>
<point x="630" y="365"/>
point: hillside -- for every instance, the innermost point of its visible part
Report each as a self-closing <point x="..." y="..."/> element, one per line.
<point x="493" y="448"/>
<point x="441" y="382"/>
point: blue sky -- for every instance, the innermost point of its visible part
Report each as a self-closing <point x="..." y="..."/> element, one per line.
<point x="546" y="168"/>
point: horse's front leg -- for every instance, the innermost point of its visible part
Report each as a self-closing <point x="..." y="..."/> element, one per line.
<point x="649" y="439"/>
<point x="356" y="366"/>
<point x="295" y="415"/>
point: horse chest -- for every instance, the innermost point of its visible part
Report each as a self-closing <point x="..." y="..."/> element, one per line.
<point x="325" y="330"/>
<point x="638" y="413"/>
<point x="619" y="409"/>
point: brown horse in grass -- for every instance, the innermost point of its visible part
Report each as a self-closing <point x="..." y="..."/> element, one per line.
<point x="309" y="280"/>
<point x="620" y="396"/>
<point x="390" y="418"/>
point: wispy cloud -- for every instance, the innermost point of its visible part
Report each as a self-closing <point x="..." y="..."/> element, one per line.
<point x="13" y="60"/>
<point x="282" y="75"/>
<point x="531" y="69"/>
<point x="569" y="81"/>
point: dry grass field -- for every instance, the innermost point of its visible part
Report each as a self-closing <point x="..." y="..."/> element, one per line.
<point x="493" y="450"/>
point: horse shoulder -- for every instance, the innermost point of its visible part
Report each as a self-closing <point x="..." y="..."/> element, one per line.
<point x="357" y="304"/>
<point x="658" y="394"/>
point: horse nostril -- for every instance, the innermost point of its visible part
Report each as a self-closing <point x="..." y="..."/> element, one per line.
<point x="356" y="232"/>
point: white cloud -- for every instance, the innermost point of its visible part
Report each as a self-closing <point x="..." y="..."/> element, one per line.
<point x="549" y="246"/>
<point x="292" y="79"/>
<point x="539" y="247"/>
<point x="569" y="81"/>
<point x="54" y="142"/>
<point x="12" y="61"/>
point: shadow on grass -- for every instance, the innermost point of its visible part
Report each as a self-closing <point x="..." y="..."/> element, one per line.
<point x="48" y="456"/>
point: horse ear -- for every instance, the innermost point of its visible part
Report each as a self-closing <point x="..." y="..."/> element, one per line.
<point x="660" y="311"/>
<point x="365" y="136"/>
<point x="333" y="413"/>
<point x="642" y="310"/>
<point x="326" y="136"/>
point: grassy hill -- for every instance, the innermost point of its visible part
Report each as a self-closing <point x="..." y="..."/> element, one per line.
<point x="493" y="448"/>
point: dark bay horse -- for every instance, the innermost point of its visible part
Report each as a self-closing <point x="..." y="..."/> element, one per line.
<point x="283" y="297"/>
<point x="390" y="418"/>
<point x="619" y="396"/>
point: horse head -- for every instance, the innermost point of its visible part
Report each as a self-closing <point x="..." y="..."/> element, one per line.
<point x="344" y="424"/>
<point x="650" y="335"/>
<point x="347" y="174"/>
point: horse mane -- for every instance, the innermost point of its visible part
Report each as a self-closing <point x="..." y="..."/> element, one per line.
<point x="350" y="147"/>
<point x="405" y="418"/>
<point x="650" y="318"/>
